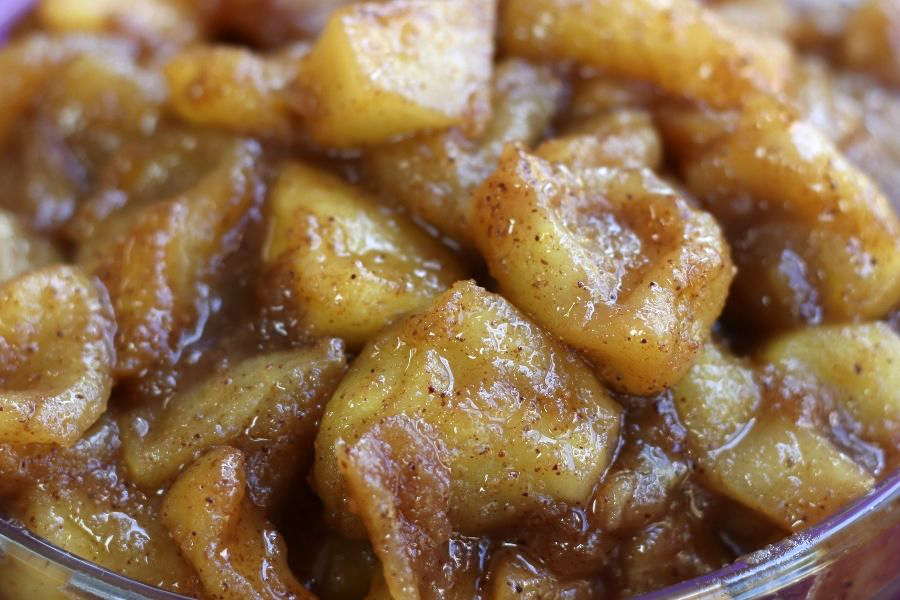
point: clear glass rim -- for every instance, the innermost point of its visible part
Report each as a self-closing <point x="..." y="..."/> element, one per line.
<point x="777" y="565"/>
<point x="85" y="574"/>
<point x="766" y="570"/>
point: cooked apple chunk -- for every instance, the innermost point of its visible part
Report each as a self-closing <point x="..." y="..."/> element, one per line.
<point x="156" y="22"/>
<point x="434" y="173"/>
<point x="232" y="88"/>
<point x="859" y="365"/>
<point x="513" y="577"/>
<point x="268" y="406"/>
<point x="78" y="499"/>
<point x="95" y="102"/>
<point x="400" y="488"/>
<point x="623" y="138"/>
<point x="613" y="262"/>
<point x="869" y="42"/>
<point x="106" y="521"/>
<point x="814" y="238"/>
<point x="751" y="446"/>
<point x="74" y="101"/>
<point x="21" y="250"/>
<point x="161" y="259"/>
<point x="27" y="64"/>
<point x="56" y="356"/>
<point x="440" y="56"/>
<point x="679" y="45"/>
<point x="114" y="527"/>
<point x="236" y="552"/>
<point x="340" y="264"/>
<point x="717" y="397"/>
<point x="519" y="420"/>
<point x="144" y="171"/>
<point x="789" y="472"/>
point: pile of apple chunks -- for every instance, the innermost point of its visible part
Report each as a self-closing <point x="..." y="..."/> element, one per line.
<point x="452" y="299"/>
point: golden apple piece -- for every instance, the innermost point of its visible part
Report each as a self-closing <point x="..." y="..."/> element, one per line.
<point x="21" y="250"/>
<point x="398" y="484"/>
<point x="236" y="552"/>
<point x="232" y="88"/>
<point x="716" y="399"/>
<point x="56" y="355"/>
<point x="56" y="92"/>
<point x="112" y="525"/>
<point x="814" y="239"/>
<point x="625" y="138"/>
<point x="342" y="264"/>
<point x="788" y="472"/>
<point x="101" y="518"/>
<point x="519" y="420"/>
<point x="858" y="365"/>
<point x="161" y="259"/>
<point x="434" y="174"/>
<point x="513" y="577"/>
<point x="614" y="262"/>
<point x="268" y="406"/>
<point x="679" y="45"/>
<point x="380" y="70"/>
<point x="751" y="447"/>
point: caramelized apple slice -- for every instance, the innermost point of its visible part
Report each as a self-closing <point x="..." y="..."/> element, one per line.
<point x="613" y="262"/>
<point x="342" y="264"/>
<point x="519" y="420"/>
<point x="679" y="45"/>
<point x="440" y="57"/>
<point x="235" y="550"/>
<point x="56" y="355"/>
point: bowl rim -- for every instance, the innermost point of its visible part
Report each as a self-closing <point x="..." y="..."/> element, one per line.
<point x="84" y="574"/>
<point x="757" y="573"/>
<point x="775" y="566"/>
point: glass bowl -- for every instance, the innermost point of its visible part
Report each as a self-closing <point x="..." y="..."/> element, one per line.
<point x="853" y="555"/>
